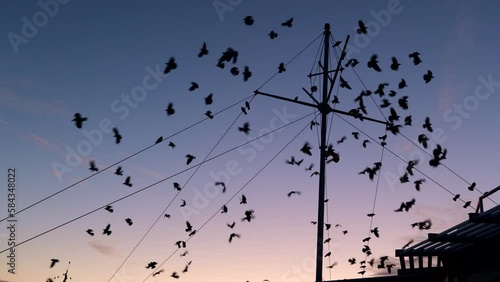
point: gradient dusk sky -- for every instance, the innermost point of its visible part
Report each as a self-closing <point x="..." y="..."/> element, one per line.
<point x="105" y="60"/>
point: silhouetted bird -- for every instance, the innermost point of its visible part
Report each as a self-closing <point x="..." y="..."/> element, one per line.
<point x="234" y="71"/>
<point x="170" y="109"/>
<point x="403" y="102"/>
<point x="341" y="140"/>
<point x="273" y="34"/>
<point x="117" y="135"/>
<point x="402" y="84"/>
<point x="361" y="28"/>
<point x="246" y="74"/>
<point x="53" y="262"/>
<point x="180" y="244"/>
<point x="306" y="149"/>
<point x="193" y="86"/>
<point x="220" y="183"/>
<point x="243" y="199"/>
<point x="90" y="232"/>
<point x="189" y="227"/>
<point x="472" y="186"/>
<point x="232" y="236"/>
<point x="281" y="68"/>
<point x="243" y="110"/>
<point x="245" y="128"/>
<point x="351" y="62"/>
<point x="177" y="186"/>
<point x="92" y="166"/>
<point x="455" y="198"/>
<point x="78" y="119"/>
<point x="407" y="244"/>
<point x="129" y="221"/>
<point x="209" y="99"/>
<point x="127" y="182"/>
<point x="248" y="216"/>
<point x="385" y="103"/>
<point x="375" y="232"/>
<point x="337" y="43"/>
<point x="186" y="267"/>
<point x="152" y="265"/>
<point x="209" y="114"/>
<point x="371" y="215"/>
<point x="158" y="272"/>
<point x="288" y="23"/>
<point x="248" y="20"/>
<point x="183" y="203"/>
<point x="373" y="63"/>
<point x="119" y="171"/>
<point x="171" y="144"/>
<point x="107" y="230"/>
<point x="427" y="125"/>
<point x="189" y="159"/>
<point x="203" y="50"/>
<point x="422" y="139"/>
<point x="395" y="64"/>
<point x="365" y="142"/>
<point x="167" y="215"/>
<point x="109" y="208"/>
<point x="175" y="275"/>
<point x="428" y="76"/>
<point x="352" y="261"/>
<point x="344" y="83"/>
<point x="415" y="57"/>
<point x="159" y="140"/>
<point x="418" y="183"/>
<point x="408" y="120"/>
<point x="231" y="225"/>
<point x="171" y="65"/>
<point x="247" y="105"/>
<point x="293" y="192"/>
<point x="467" y="204"/>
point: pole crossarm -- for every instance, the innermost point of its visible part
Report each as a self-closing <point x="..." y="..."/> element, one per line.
<point x="361" y="118"/>
<point x="285" y="99"/>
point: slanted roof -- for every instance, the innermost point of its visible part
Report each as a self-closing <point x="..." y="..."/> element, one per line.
<point x="480" y="227"/>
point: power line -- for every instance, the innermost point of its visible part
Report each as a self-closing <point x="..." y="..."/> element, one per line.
<point x="154" y="184"/>
<point x="122" y="160"/>
<point x="234" y="195"/>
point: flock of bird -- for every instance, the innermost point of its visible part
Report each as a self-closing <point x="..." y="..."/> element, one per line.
<point x="230" y="57"/>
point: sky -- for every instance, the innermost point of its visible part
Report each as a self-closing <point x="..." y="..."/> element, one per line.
<point x="105" y="60"/>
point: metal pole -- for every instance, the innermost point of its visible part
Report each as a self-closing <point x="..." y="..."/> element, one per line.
<point x="321" y="198"/>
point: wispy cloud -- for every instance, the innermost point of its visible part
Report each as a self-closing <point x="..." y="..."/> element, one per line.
<point x="32" y="105"/>
<point x="102" y="248"/>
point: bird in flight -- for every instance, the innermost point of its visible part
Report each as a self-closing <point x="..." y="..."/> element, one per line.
<point x="415" y="57"/>
<point x="344" y="83"/>
<point x="287" y="23"/>
<point x="220" y="183"/>
<point x="231" y="225"/>
<point x="209" y="99"/>
<point x="293" y="192"/>
<point x="109" y="208"/>
<point x="119" y="171"/>
<point x="90" y="232"/>
<point x="427" y="125"/>
<point x="233" y="235"/>
<point x="158" y="272"/>
<point x="189" y="158"/>
<point x="243" y="199"/>
<point x="248" y="216"/>
<point x="117" y="135"/>
<point x="248" y="20"/>
<point x="245" y="128"/>
<point x="428" y="76"/>
<point x="306" y="149"/>
<point x="183" y="203"/>
<point x="422" y="139"/>
<point x="402" y="84"/>
<point x="127" y="182"/>
<point x="246" y="73"/>
<point x="395" y="64"/>
<point x="171" y="65"/>
<point x="189" y="227"/>
<point x="175" y="275"/>
<point x="361" y="28"/>
<point x="273" y="34"/>
<point x="107" y="230"/>
<point x="93" y="167"/>
<point x="418" y="183"/>
<point x="203" y="50"/>
<point x="129" y="221"/>
<point x="193" y="86"/>
<point x="177" y="186"/>
<point x="209" y="114"/>
<point x="373" y="63"/>
<point x="78" y="119"/>
<point x="170" y="109"/>
<point x="53" y="262"/>
<point x="152" y="265"/>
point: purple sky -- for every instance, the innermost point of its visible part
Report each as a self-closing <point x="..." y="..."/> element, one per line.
<point x="95" y="58"/>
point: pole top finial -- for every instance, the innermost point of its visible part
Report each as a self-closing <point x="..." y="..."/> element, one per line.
<point x="327" y="26"/>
